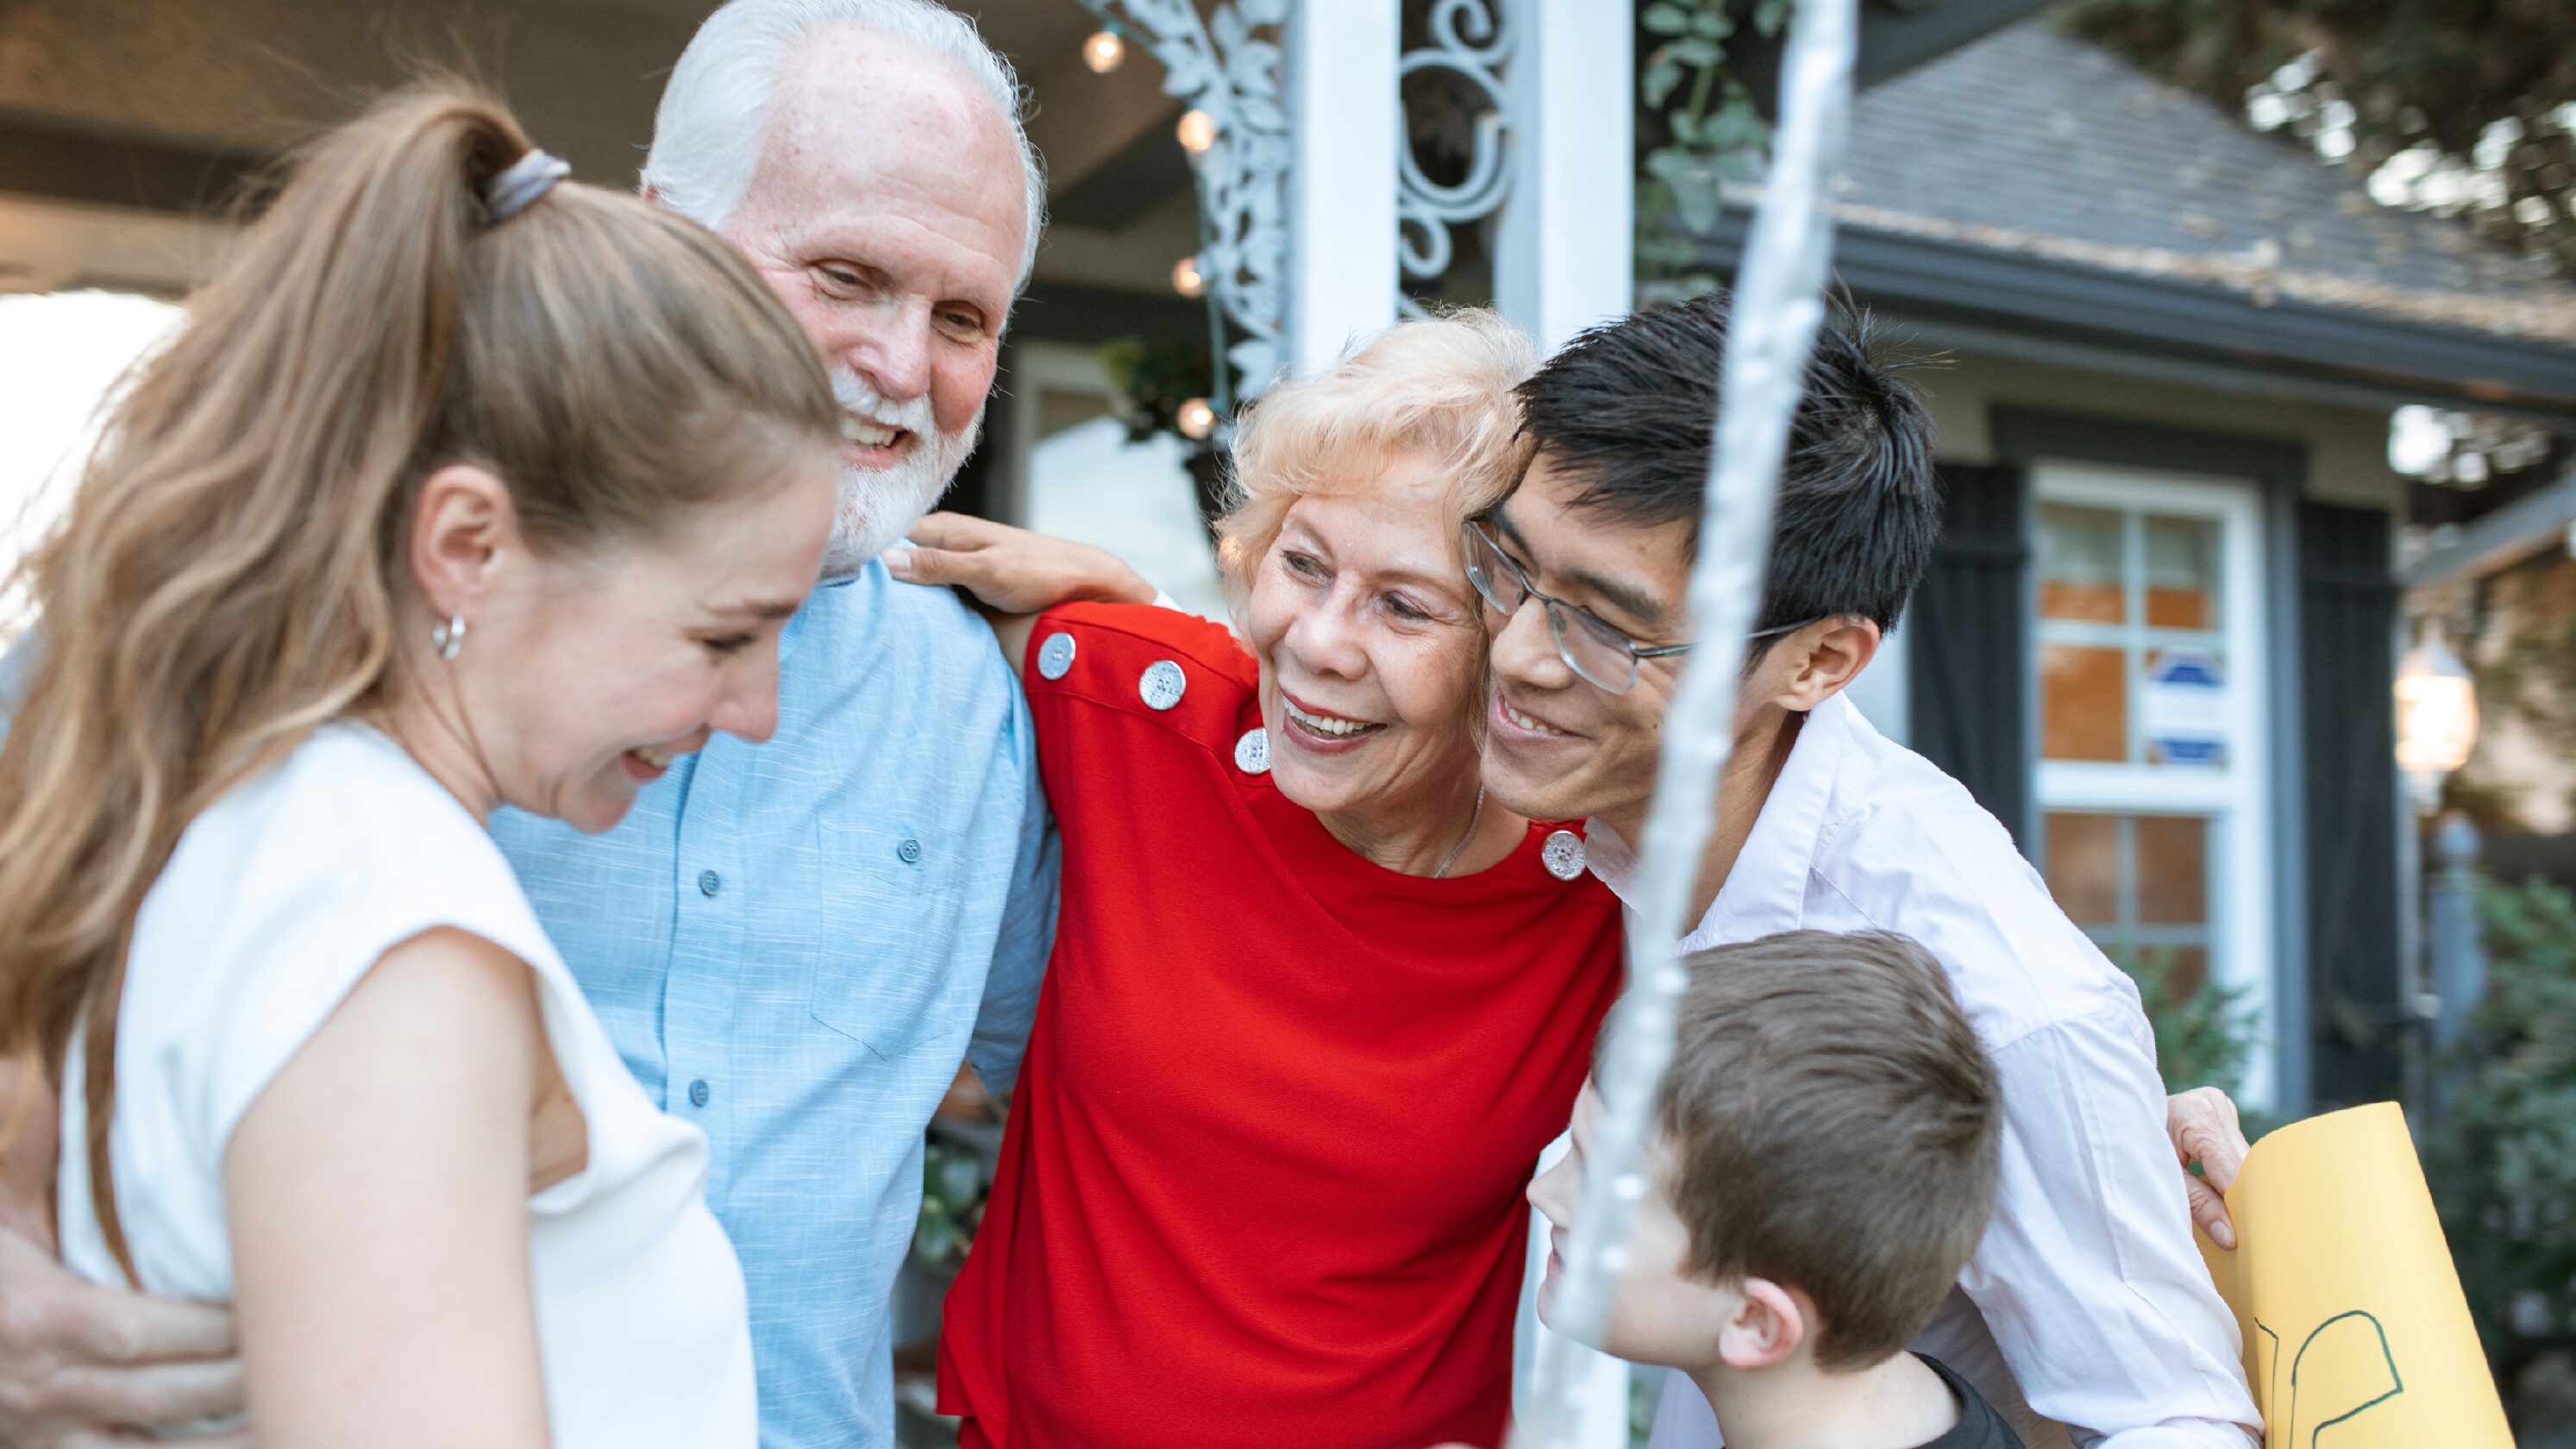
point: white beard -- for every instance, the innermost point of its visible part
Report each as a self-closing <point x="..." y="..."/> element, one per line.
<point x="880" y="505"/>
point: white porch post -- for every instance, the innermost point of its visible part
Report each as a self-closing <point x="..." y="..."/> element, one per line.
<point x="1564" y="253"/>
<point x="1564" y="259"/>
<point x="1344" y="123"/>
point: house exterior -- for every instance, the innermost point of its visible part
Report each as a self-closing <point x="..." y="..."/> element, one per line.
<point x="2160" y="635"/>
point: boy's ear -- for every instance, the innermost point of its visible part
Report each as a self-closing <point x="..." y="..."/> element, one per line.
<point x="1766" y="1328"/>
<point x="1814" y="664"/>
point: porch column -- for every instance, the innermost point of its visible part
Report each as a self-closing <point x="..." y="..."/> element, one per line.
<point x="1563" y="253"/>
<point x="1345" y="126"/>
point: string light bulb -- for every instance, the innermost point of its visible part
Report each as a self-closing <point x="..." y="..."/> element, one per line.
<point x="1187" y="279"/>
<point x="1197" y="131"/>
<point x="1196" y="419"/>
<point x="1105" y="50"/>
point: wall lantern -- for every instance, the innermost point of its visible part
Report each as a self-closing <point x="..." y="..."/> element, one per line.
<point x="2437" y="715"/>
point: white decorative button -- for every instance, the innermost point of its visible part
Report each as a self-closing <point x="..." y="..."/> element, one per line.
<point x="1055" y="656"/>
<point x="1162" y="684"/>
<point x="1562" y="855"/>
<point x="1252" y="752"/>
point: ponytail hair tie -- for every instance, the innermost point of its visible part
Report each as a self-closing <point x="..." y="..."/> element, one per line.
<point x="521" y="182"/>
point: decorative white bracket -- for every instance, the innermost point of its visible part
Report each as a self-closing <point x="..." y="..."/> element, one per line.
<point x="1227" y="67"/>
<point x="1313" y="208"/>
<point x="1472" y="40"/>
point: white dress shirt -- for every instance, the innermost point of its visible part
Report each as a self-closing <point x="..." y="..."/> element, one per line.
<point x="2087" y="1305"/>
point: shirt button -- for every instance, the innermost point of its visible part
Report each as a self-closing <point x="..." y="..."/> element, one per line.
<point x="1562" y="854"/>
<point x="908" y="852"/>
<point x="1252" y="752"/>
<point x="1055" y="656"/>
<point x="1162" y="685"/>
<point x="709" y="882"/>
<point x="698" y="1092"/>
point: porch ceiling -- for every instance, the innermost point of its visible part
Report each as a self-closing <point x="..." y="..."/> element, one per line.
<point x="210" y="83"/>
<point x="109" y="108"/>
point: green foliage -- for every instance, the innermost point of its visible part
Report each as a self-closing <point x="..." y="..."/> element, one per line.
<point x="2484" y="94"/>
<point x="1156" y="377"/>
<point x="2503" y="1156"/>
<point x="1713" y="135"/>
<point x="2203" y="1039"/>
<point x="954" y="1185"/>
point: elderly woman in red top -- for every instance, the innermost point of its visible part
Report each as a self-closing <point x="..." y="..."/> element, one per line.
<point x="1316" y="1004"/>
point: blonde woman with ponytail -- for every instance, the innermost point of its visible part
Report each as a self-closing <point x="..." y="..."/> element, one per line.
<point x="463" y="486"/>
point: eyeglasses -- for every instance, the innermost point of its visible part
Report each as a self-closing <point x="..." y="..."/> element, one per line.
<point x="1601" y="655"/>
<point x="1589" y="647"/>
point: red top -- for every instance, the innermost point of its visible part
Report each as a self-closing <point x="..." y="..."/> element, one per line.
<point x="1262" y="1179"/>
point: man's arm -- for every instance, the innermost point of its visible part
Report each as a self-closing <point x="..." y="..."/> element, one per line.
<point x="1027" y="934"/>
<point x="2088" y="1277"/>
<point x="82" y="1365"/>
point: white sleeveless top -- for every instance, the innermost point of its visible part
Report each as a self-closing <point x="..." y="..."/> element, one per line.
<point x="276" y="902"/>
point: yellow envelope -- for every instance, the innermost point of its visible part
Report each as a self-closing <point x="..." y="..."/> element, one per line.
<point x="2356" y="1333"/>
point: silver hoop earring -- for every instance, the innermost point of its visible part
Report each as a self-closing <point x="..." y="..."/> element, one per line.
<point x="448" y="636"/>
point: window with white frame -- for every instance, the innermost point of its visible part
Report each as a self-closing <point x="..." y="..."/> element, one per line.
<point x="2152" y="829"/>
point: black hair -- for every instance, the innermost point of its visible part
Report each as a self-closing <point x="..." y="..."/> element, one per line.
<point x="1627" y="409"/>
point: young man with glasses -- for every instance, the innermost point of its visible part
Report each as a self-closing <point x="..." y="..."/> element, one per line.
<point x="2087" y="1305"/>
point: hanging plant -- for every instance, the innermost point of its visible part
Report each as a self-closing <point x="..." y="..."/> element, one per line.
<point x="1159" y="378"/>
<point x="1714" y="137"/>
<point x="1168" y="386"/>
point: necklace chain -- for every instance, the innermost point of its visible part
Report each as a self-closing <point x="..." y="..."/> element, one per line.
<point x="1461" y="847"/>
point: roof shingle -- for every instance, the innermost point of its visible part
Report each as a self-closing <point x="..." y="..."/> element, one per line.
<point x="2027" y="141"/>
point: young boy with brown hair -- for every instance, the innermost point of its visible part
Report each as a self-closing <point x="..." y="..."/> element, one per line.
<point x="1824" y="1166"/>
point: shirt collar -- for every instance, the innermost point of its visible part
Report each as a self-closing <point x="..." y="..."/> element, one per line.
<point x="793" y="632"/>
<point x="1766" y="891"/>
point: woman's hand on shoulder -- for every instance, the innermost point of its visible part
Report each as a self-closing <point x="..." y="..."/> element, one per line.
<point x="1013" y="574"/>
<point x="1011" y="570"/>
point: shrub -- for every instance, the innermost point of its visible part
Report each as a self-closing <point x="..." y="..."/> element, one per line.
<point x="954" y="1183"/>
<point x="2203" y="1039"/>
<point x="2504" y="1153"/>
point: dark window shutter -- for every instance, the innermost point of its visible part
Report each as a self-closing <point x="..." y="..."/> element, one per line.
<point x="1968" y="643"/>
<point x="2348" y="733"/>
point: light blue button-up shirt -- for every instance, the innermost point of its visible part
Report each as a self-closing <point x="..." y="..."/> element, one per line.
<point x="793" y="944"/>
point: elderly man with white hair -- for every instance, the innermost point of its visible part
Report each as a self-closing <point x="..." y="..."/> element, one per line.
<point x="793" y="945"/>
